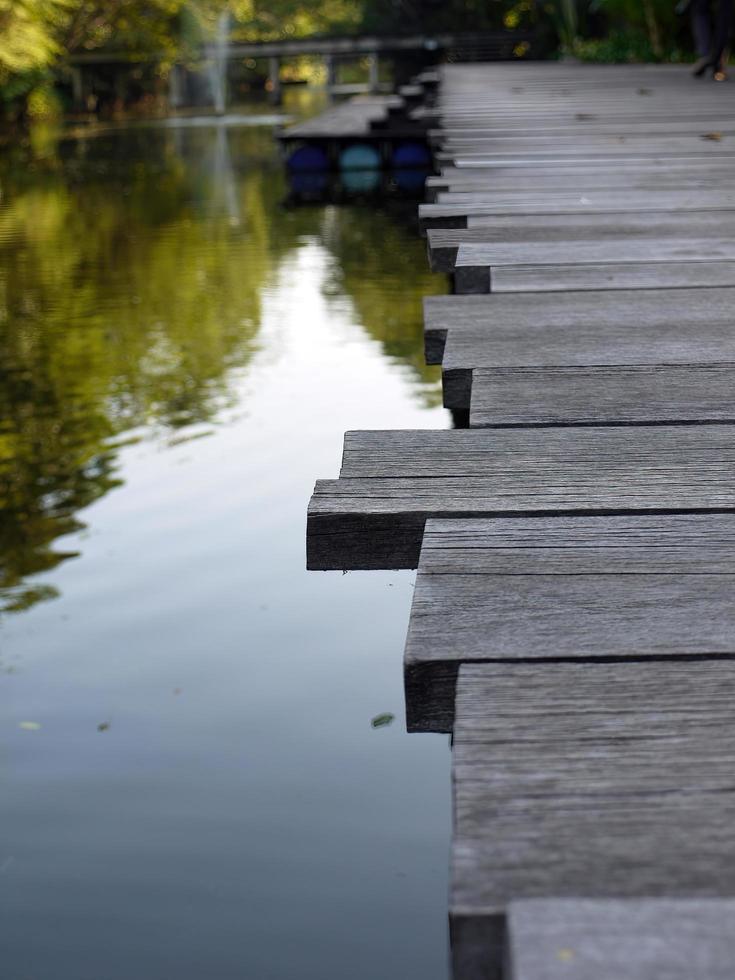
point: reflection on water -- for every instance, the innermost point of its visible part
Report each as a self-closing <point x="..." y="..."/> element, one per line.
<point x="191" y="783"/>
<point x="133" y="268"/>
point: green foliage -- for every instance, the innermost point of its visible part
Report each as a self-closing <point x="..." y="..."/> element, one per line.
<point x="36" y="36"/>
<point x="29" y="43"/>
<point x="43" y="102"/>
<point x="620" y="47"/>
<point x="634" y="22"/>
<point x="29" y="34"/>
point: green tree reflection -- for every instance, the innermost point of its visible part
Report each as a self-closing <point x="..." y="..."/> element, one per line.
<point x="127" y="295"/>
<point x="132" y="271"/>
<point x="382" y="266"/>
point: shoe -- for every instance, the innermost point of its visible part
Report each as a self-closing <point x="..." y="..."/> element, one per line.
<point x="718" y="72"/>
<point x="701" y="65"/>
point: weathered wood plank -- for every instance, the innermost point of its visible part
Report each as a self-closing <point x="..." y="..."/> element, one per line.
<point x="585" y="180"/>
<point x="618" y="395"/>
<point x="351" y="118"/>
<point x="392" y="482"/>
<point x="629" y="143"/>
<point x="560" y="278"/>
<point x="634" y="249"/>
<point x="443" y="243"/>
<point x="635" y="544"/>
<point x="589" y="782"/>
<point x="646" y="262"/>
<point x="651" y="312"/>
<point x="456" y="215"/>
<point x="575" y="588"/>
<point x="663" y="346"/>
<point x="635" y="939"/>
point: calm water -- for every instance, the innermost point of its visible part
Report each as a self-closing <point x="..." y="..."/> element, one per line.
<point x="191" y="786"/>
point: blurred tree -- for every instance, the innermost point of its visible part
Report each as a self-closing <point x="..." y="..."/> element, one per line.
<point x="29" y="34"/>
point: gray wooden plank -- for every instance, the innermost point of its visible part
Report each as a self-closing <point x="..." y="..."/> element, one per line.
<point x="392" y="482"/>
<point x="633" y="249"/>
<point x="561" y="343"/>
<point x="624" y="263"/>
<point x="351" y="118"/>
<point x="486" y="123"/>
<point x="608" y="939"/>
<point x="605" y="781"/>
<point x="619" y="250"/>
<point x="456" y="215"/>
<point x="624" y="141"/>
<point x="689" y="179"/>
<point x="605" y="312"/>
<point x="443" y="243"/>
<point x="635" y="544"/>
<point x="581" y="156"/>
<point x="618" y="395"/>
<point x="643" y="275"/>
<point x="575" y="588"/>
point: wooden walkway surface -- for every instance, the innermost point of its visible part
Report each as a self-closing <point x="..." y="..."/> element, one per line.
<point x="573" y="623"/>
<point x="350" y="119"/>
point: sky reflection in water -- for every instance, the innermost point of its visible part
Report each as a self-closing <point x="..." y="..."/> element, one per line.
<point x="179" y="358"/>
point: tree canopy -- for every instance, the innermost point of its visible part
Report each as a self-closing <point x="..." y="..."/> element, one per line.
<point x="37" y="36"/>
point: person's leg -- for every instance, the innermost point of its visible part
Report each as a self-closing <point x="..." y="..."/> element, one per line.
<point x="723" y="25"/>
<point x="701" y="27"/>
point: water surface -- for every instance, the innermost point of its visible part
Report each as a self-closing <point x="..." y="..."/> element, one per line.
<point x="191" y="786"/>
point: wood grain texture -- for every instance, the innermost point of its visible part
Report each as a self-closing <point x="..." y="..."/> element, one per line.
<point x="392" y="482"/>
<point x="617" y="251"/>
<point x="518" y="344"/>
<point x="594" y="738"/>
<point x="443" y="243"/>
<point x="618" y="395"/>
<point x="675" y="275"/>
<point x="623" y="263"/>
<point x="598" y="311"/>
<point x="568" y="745"/>
<point x="638" y="939"/>
<point x="604" y="781"/>
<point x="636" y="544"/>
<point x="456" y="215"/>
<point x="565" y="589"/>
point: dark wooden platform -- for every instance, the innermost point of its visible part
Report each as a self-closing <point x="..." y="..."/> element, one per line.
<point x="573" y="622"/>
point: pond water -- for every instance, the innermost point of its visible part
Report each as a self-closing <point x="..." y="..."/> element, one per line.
<point x="191" y="785"/>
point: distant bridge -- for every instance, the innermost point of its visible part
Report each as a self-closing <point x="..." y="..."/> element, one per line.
<point x="491" y="44"/>
<point x="488" y="46"/>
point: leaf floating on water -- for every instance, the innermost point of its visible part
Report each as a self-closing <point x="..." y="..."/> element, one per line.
<point x="381" y="721"/>
<point x="715" y="137"/>
<point x="29" y="726"/>
<point x="103" y="726"/>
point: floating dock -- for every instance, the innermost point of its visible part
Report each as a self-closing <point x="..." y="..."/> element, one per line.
<point x="366" y="133"/>
<point x="573" y="624"/>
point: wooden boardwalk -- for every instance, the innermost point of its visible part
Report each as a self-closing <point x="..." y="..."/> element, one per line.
<point x="573" y="624"/>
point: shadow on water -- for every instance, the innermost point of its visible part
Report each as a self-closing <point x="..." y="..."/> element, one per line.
<point x="134" y="265"/>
